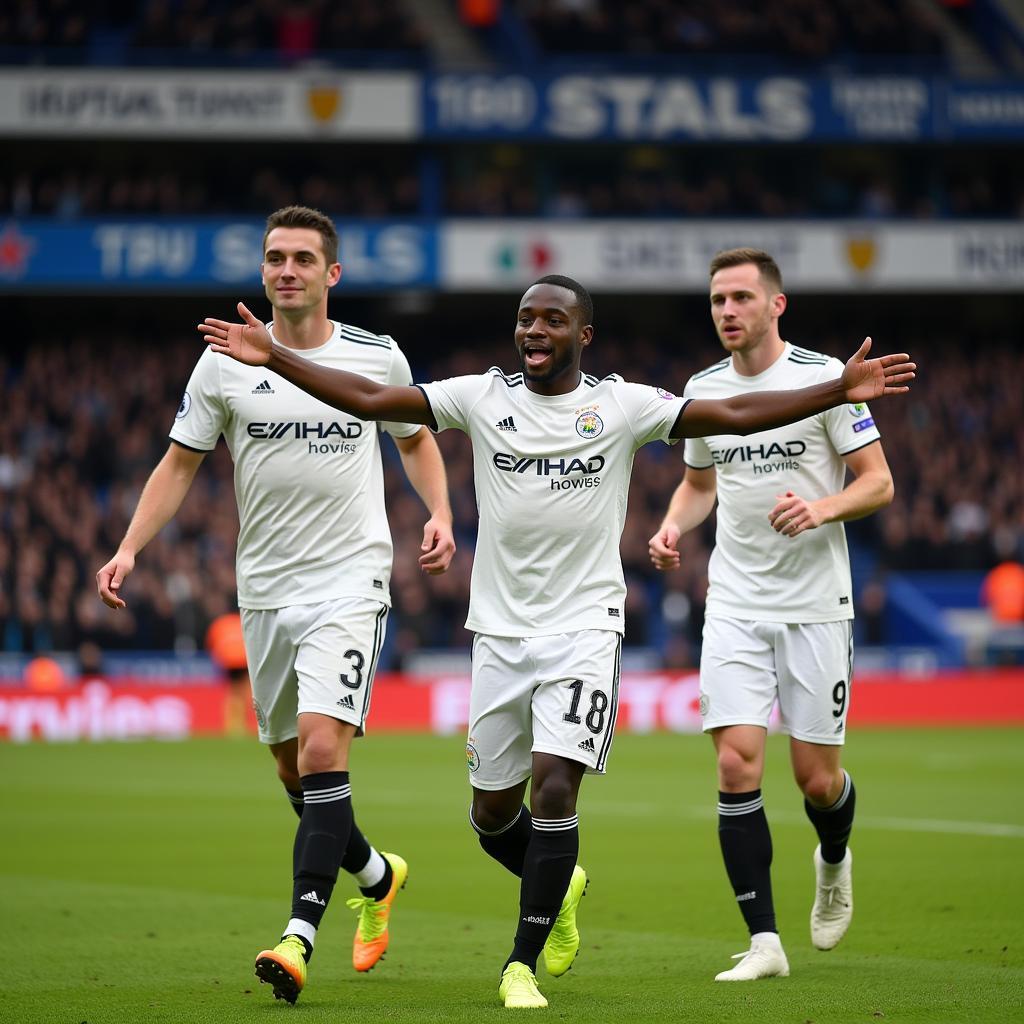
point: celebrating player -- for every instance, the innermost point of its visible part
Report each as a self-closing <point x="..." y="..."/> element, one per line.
<point x="552" y="448"/>
<point x="313" y="566"/>
<point x="780" y="601"/>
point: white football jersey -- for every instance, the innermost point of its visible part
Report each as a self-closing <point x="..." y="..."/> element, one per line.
<point x="308" y="478"/>
<point x="552" y="476"/>
<point x="756" y="573"/>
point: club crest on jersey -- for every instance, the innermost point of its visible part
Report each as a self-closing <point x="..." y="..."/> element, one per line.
<point x="589" y="424"/>
<point x="186" y="404"/>
<point x="858" y="410"/>
<point x="664" y="394"/>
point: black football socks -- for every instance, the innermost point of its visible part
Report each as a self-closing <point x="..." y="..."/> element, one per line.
<point x="747" y="851"/>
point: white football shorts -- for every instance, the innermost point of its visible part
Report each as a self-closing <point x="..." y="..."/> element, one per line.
<point x="312" y="658"/>
<point x="546" y="694"/>
<point x="746" y="666"/>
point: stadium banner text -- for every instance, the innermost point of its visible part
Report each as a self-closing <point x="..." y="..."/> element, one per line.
<point x="653" y="108"/>
<point x="323" y="103"/>
<point x="648" y="701"/>
<point x="318" y="103"/>
<point x="488" y="255"/>
<point x="829" y="256"/>
<point x="206" y="254"/>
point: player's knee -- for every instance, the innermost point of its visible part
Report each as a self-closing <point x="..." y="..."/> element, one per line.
<point x="319" y="753"/>
<point x="491" y="812"/>
<point x="736" y="771"/>
<point x="820" y="787"/>
<point x="554" y="796"/>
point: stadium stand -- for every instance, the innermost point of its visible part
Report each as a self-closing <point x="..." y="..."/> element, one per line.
<point x="79" y="435"/>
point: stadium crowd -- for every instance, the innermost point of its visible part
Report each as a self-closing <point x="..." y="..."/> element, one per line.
<point x="517" y="181"/>
<point x="365" y="189"/>
<point x="192" y="27"/>
<point x="647" y="181"/>
<point x="79" y="438"/>
<point x="805" y="30"/>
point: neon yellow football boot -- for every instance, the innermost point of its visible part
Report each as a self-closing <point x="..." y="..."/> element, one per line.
<point x="284" y="967"/>
<point x="518" y="989"/>
<point x="564" y="940"/>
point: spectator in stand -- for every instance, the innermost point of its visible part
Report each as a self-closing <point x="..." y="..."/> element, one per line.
<point x="1003" y="593"/>
<point x="226" y="647"/>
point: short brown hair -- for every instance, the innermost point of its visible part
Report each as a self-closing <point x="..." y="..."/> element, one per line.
<point x="306" y="217"/>
<point x="766" y="266"/>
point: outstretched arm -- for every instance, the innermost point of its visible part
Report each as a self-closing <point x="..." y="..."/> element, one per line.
<point x="250" y="342"/>
<point x="862" y="381"/>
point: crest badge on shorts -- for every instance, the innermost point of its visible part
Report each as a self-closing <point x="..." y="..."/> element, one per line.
<point x="472" y="757"/>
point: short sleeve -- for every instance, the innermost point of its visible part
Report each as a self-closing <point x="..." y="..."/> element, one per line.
<point x="202" y="414"/>
<point x="452" y="400"/>
<point x="849" y="427"/>
<point x="650" y="412"/>
<point x="399" y="375"/>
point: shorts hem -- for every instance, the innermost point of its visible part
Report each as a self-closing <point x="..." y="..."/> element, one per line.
<point x="270" y="740"/>
<point x="332" y="712"/>
<point x="591" y="769"/>
<point x="831" y="741"/>
<point x="707" y="726"/>
<point x="494" y="787"/>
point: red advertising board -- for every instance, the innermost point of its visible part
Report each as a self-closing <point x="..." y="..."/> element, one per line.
<point x="648" y="701"/>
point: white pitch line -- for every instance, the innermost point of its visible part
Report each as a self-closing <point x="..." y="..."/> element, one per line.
<point x="937" y="825"/>
<point x="966" y="828"/>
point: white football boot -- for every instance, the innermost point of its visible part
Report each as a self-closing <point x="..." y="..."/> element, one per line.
<point x="833" y="900"/>
<point x="764" y="959"/>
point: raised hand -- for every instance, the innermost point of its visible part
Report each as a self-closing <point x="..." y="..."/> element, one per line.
<point x="248" y="342"/>
<point x="865" y="379"/>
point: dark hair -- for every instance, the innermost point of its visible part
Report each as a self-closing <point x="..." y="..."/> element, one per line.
<point x="766" y="266"/>
<point x="583" y="299"/>
<point x="306" y="217"/>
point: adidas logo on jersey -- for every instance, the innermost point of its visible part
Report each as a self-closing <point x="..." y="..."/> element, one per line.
<point x="263" y="388"/>
<point x="587" y="745"/>
<point x="313" y="898"/>
<point x="507" y="424"/>
<point x="347" y="702"/>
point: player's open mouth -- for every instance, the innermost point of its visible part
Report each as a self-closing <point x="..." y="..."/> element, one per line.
<point x="535" y="355"/>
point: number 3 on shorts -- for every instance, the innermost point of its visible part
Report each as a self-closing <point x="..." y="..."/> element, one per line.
<point x="354" y="681"/>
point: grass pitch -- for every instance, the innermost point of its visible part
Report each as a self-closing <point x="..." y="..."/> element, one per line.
<point x="138" y="881"/>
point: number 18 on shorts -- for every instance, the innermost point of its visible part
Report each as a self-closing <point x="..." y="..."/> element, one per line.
<point x="546" y="694"/>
